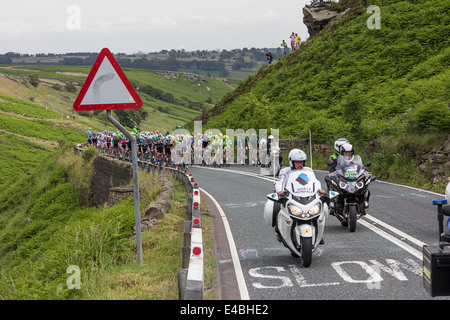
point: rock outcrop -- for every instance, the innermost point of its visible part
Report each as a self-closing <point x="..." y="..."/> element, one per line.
<point x="317" y="18"/>
<point x="437" y="163"/>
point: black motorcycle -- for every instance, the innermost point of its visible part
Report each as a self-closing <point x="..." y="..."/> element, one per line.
<point x="348" y="190"/>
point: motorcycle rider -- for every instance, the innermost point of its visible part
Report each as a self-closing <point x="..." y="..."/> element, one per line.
<point x="297" y="161"/>
<point x="332" y="160"/>
<point x="348" y="153"/>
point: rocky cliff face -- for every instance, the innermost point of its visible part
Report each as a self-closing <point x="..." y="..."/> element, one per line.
<point x="317" y="18"/>
<point x="436" y="163"/>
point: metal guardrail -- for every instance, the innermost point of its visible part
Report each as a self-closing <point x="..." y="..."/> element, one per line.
<point x="190" y="276"/>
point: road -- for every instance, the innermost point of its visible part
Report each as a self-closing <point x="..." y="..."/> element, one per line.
<point x="382" y="260"/>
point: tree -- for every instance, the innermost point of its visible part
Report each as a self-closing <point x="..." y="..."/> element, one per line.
<point x="4" y="59"/>
<point x="238" y="64"/>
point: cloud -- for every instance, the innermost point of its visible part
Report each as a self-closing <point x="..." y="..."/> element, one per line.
<point x="126" y="26"/>
<point x="162" y="23"/>
<point x="233" y="21"/>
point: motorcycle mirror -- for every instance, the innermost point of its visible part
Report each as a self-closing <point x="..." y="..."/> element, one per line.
<point x="373" y="178"/>
<point x="273" y="196"/>
<point x="368" y="164"/>
<point x="327" y="179"/>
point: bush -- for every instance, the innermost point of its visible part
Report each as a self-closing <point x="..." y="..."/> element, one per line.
<point x="34" y="80"/>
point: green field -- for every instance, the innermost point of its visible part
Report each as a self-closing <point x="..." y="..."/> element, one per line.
<point x="184" y="96"/>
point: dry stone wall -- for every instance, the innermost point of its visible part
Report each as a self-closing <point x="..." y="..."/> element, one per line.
<point x="108" y="173"/>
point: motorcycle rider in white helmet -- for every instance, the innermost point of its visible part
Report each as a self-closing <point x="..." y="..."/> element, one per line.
<point x="348" y="153"/>
<point x="297" y="161"/>
<point x="332" y="160"/>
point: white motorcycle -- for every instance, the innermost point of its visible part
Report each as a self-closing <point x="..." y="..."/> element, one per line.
<point x="299" y="215"/>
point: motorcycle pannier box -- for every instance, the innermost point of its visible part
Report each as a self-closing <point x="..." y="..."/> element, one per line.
<point x="436" y="270"/>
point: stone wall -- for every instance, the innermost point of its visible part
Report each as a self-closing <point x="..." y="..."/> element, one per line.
<point x="436" y="163"/>
<point x="117" y="194"/>
<point x="303" y="144"/>
<point x="109" y="173"/>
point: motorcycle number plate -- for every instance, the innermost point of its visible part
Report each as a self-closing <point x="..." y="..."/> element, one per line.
<point x="351" y="174"/>
<point x="306" y="231"/>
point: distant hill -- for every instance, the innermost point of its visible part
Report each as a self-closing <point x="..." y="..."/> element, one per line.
<point x="170" y="98"/>
<point x="236" y="63"/>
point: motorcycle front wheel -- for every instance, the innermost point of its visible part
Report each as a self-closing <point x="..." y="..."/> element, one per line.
<point x="306" y="251"/>
<point x="352" y="214"/>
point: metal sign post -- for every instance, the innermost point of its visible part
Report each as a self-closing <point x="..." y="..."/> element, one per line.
<point x="134" y="161"/>
<point x="107" y="88"/>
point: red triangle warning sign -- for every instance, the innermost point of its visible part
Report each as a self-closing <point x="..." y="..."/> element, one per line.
<point x="106" y="87"/>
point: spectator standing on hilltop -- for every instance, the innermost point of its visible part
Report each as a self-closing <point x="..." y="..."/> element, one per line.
<point x="297" y="41"/>
<point x="292" y="37"/>
<point x="285" y="47"/>
<point x="314" y="2"/>
<point x="269" y="57"/>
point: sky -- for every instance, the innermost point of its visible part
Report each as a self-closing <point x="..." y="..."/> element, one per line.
<point x="130" y="26"/>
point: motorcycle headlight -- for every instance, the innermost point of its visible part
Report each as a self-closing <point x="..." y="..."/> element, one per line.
<point x="342" y="185"/>
<point x="296" y="211"/>
<point x="315" y="209"/>
<point x="360" y="185"/>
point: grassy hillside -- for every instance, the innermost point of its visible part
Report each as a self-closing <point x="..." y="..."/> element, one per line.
<point x="389" y="86"/>
<point x="45" y="227"/>
<point x="28" y="133"/>
<point x="46" y="223"/>
<point x="175" y="99"/>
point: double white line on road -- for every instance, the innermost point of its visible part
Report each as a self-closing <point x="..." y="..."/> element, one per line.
<point x="418" y="254"/>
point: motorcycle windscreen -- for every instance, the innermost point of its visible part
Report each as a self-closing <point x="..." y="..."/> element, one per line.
<point x="350" y="169"/>
<point x="302" y="183"/>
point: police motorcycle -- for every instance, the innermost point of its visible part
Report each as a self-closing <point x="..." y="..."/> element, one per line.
<point x="349" y="190"/>
<point x="299" y="215"/>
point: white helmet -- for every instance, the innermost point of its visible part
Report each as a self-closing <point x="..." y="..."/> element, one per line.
<point x="338" y="144"/>
<point x="297" y="155"/>
<point x="347" y="147"/>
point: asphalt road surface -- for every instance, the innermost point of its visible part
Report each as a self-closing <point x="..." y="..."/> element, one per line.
<point x="381" y="260"/>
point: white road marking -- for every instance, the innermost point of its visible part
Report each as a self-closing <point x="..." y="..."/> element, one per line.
<point x="418" y="254"/>
<point x="395" y="230"/>
<point x="236" y="263"/>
